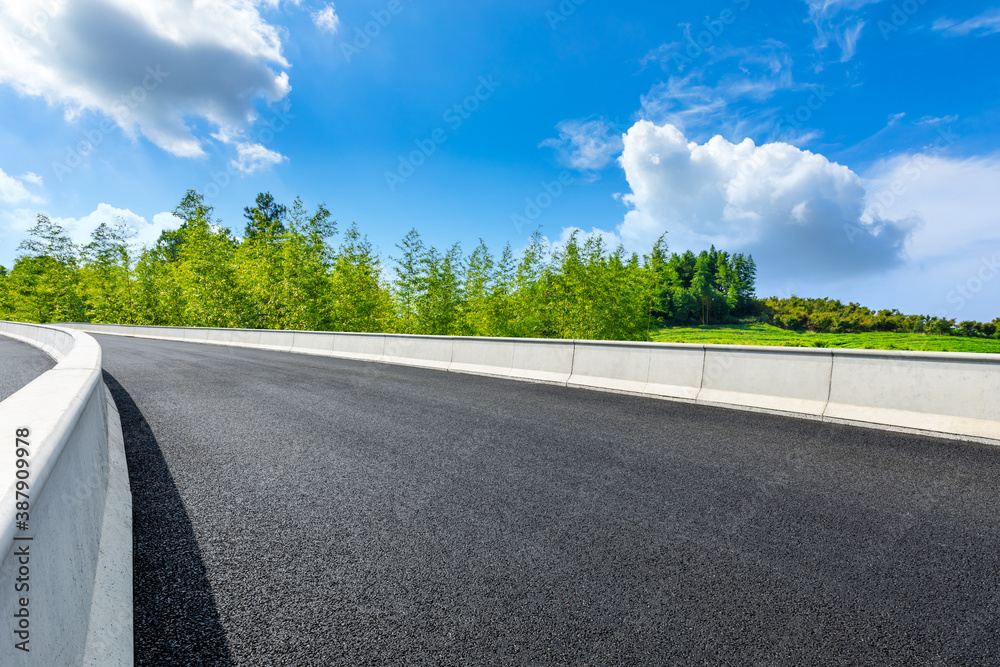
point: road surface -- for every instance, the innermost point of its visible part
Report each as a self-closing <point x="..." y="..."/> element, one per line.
<point x="297" y="510"/>
<point x="20" y="363"/>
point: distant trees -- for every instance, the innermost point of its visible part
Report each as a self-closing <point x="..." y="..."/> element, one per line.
<point x="287" y="273"/>
<point x="712" y="286"/>
<point x="829" y="315"/>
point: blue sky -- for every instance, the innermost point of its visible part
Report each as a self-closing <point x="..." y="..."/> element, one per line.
<point x="853" y="146"/>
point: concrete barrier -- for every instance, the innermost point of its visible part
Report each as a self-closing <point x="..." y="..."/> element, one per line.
<point x="927" y="391"/>
<point x="362" y="346"/>
<point x="279" y="341"/>
<point x="73" y="546"/>
<point x="219" y="335"/>
<point x="246" y="337"/>
<point x="423" y="351"/>
<point x="482" y="356"/>
<point x="675" y="371"/>
<point x="794" y="380"/>
<point x="542" y="360"/>
<point x="621" y="367"/>
<point x="943" y="394"/>
<point x="313" y="342"/>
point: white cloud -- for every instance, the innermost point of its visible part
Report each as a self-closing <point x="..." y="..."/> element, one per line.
<point x="797" y="212"/>
<point x="986" y="23"/>
<point x="150" y="66"/>
<point x="847" y="39"/>
<point x="586" y="145"/>
<point x="327" y="20"/>
<point x="13" y="190"/>
<point x="957" y="198"/>
<point x="837" y="21"/>
<point x="15" y="224"/>
<point x="274" y="4"/>
<point x="146" y="233"/>
<point x="32" y="177"/>
<point x="254" y="157"/>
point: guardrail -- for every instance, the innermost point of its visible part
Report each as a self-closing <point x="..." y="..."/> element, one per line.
<point x="65" y="513"/>
<point x="937" y="393"/>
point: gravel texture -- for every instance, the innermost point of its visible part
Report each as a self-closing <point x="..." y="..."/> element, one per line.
<point x="20" y="363"/>
<point x="296" y="510"/>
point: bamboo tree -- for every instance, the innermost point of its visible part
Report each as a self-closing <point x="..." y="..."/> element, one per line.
<point x="44" y="283"/>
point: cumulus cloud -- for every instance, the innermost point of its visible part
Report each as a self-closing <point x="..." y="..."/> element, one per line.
<point x="151" y="66"/>
<point x="14" y="191"/>
<point x="796" y="211"/>
<point x="586" y="145"/>
<point x="327" y="20"/>
<point x="254" y="157"/>
<point x="986" y="23"/>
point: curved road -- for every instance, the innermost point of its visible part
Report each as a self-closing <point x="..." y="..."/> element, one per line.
<point x="20" y="363"/>
<point x="296" y="510"/>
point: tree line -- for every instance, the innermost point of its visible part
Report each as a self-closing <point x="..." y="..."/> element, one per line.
<point x="832" y="316"/>
<point x="295" y="268"/>
<point x="287" y="272"/>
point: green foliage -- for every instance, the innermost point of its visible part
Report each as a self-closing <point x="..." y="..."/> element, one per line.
<point x="831" y="316"/>
<point x="712" y="286"/>
<point x="44" y="284"/>
<point x="286" y="273"/>
<point x="266" y="219"/>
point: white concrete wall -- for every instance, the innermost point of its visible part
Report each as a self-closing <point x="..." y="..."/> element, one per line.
<point x="675" y="371"/>
<point x="789" y="379"/>
<point x="482" y="356"/>
<point x="542" y="360"/>
<point x="423" y="351"/>
<point x="953" y="395"/>
<point x="366" y="347"/>
<point x="622" y="367"/>
<point x="79" y="562"/>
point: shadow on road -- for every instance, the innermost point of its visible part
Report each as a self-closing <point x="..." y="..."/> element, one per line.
<point x="176" y="621"/>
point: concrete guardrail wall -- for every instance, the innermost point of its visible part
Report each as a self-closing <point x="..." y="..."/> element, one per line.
<point x="944" y="394"/>
<point x="66" y="530"/>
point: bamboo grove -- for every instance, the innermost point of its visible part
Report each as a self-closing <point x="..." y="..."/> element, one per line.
<point x="295" y="269"/>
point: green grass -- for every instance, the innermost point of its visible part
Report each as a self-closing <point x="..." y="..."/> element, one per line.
<point x="765" y="334"/>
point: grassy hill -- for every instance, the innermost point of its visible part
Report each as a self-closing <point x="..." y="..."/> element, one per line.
<point x="765" y="334"/>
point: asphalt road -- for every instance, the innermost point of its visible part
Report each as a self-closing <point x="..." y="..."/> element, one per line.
<point x="295" y="510"/>
<point x="20" y="363"/>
